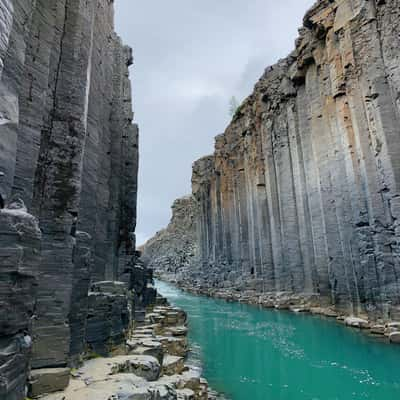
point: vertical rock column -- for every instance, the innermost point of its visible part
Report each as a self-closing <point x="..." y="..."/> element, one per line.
<point x="19" y="262"/>
<point x="302" y="192"/>
<point x="58" y="181"/>
<point x="14" y="29"/>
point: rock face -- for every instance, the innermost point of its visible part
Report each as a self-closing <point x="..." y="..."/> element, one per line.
<point x="173" y="252"/>
<point x="68" y="163"/>
<point x="19" y="264"/>
<point x="302" y="193"/>
<point x="108" y="317"/>
<point x="146" y="370"/>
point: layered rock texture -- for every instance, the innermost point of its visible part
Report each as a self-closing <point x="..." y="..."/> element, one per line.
<point x="152" y="366"/>
<point x="302" y="193"/>
<point x="68" y="183"/>
<point x="173" y="252"/>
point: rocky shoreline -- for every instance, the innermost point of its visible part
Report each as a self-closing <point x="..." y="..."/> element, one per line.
<point x="151" y="365"/>
<point x="388" y="330"/>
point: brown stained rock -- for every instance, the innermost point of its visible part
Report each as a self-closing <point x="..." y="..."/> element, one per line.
<point x="173" y="365"/>
<point x="175" y="346"/>
<point x="301" y="192"/>
<point x="48" y="380"/>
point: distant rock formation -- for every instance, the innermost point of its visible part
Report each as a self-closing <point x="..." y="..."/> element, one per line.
<point x="68" y="179"/>
<point x="302" y="193"/>
<point x="173" y="252"/>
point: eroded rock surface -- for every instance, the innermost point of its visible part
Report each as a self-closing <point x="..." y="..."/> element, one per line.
<point x="301" y="196"/>
<point x="19" y="264"/>
<point x="135" y="375"/>
<point x="173" y="252"/>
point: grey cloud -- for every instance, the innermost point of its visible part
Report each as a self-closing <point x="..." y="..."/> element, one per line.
<point x="190" y="58"/>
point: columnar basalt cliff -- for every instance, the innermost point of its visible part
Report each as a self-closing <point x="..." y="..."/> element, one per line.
<point x="68" y="183"/>
<point x="302" y="193"/>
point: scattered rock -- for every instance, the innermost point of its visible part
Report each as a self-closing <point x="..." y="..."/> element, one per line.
<point x="394" y="337"/>
<point x="186" y="394"/>
<point x="357" y="322"/>
<point x="378" y="329"/>
<point x="173" y="365"/>
<point x="146" y="367"/>
<point x="48" y="380"/>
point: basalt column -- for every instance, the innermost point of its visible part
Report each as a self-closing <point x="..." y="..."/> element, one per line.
<point x="68" y="179"/>
<point x="301" y="196"/>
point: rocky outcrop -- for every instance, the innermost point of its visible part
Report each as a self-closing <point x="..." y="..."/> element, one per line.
<point x="301" y="196"/>
<point x="108" y="318"/>
<point x="152" y="366"/>
<point x="19" y="264"/>
<point x="173" y="252"/>
<point x="68" y="160"/>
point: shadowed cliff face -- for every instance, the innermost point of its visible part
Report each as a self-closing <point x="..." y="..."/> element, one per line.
<point x="69" y="154"/>
<point x="302" y="192"/>
<point x="173" y="252"/>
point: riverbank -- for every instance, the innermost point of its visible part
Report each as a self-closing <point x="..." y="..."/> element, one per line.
<point x="151" y="365"/>
<point x="388" y="330"/>
<point x="250" y="352"/>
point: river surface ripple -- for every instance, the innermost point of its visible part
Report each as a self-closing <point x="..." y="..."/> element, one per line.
<point x="257" y="354"/>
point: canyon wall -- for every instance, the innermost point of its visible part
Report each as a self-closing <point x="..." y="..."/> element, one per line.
<point x="301" y="195"/>
<point x="68" y="180"/>
<point x="173" y="252"/>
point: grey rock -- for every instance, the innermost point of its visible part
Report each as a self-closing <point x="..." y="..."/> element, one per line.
<point x="107" y="319"/>
<point x="19" y="262"/>
<point x="69" y="151"/>
<point x="173" y="365"/>
<point x="146" y="367"/>
<point x="173" y="252"/>
<point x="394" y="337"/>
<point x="301" y="193"/>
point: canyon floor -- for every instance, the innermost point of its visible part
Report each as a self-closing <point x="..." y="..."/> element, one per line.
<point x="150" y="366"/>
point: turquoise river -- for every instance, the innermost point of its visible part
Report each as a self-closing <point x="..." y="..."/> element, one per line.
<point x="256" y="354"/>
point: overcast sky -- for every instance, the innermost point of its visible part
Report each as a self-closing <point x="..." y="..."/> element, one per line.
<point x="191" y="57"/>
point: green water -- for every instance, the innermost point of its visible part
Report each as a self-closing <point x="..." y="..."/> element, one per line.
<point x="254" y="354"/>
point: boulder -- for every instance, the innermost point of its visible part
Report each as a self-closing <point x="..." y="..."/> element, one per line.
<point x="48" y="380"/>
<point x="357" y="322"/>
<point x="146" y="367"/>
<point x="378" y="329"/>
<point x="173" y="365"/>
<point x="186" y="394"/>
<point x="175" y="346"/>
<point x="394" y="337"/>
<point x="177" y="331"/>
<point x="148" y="347"/>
